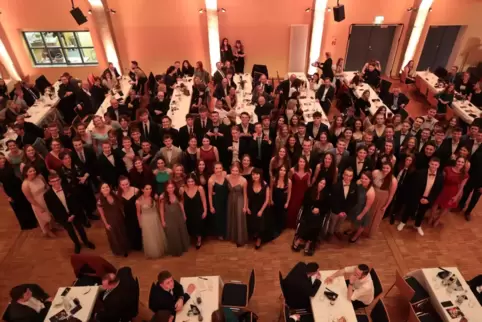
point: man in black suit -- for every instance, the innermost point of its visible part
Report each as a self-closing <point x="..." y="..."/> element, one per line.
<point x="218" y="135"/>
<point x="358" y="163"/>
<point x="236" y="147"/>
<point x="63" y="205"/>
<point x="261" y="148"/>
<point x="111" y="165"/>
<point x="30" y="93"/>
<point x="425" y="188"/>
<point x="449" y="146"/>
<point x="113" y="71"/>
<point x="314" y="128"/>
<point x="221" y="90"/>
<point x="85" y="104"/>
<point x="29" y="303"/>
<point x="311" y="156"/>
<point x="68" y="101"/>
<point x="423" y="158"/>
<point x="265" y="86"/>
<point x="325" y="95"/>
<point x="168" y="294"/>
<point x="54" y="132"/>
<point x="186" y="132"/>
<point x="84" y="156"/>
<point x="120" y="299"/>
<point x="423" y="139"/>
<point x="30" y="127"/>
<point x="402" y="135"/>
<point x="149" y="130"/>
<point x="301" y="135"/>
<point x="159" y="106"/>
<point x="285" y="88"/>
<point x="167" y="129"/>
<point x="262" y="108"/>
<point x="301" y="284"/>
<point x="202" y="124"/>
<point x="246" y="128"/>
<point x="389" y="136"/>
<point x="124" y="129"/>
<point x="416" y="129"/>
<point x="23" y="138"/>
<point x="396" y="100"/>
<point x="219" y="74"/>
<point x="344" y="198"/>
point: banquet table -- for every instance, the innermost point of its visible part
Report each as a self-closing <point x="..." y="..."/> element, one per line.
<point x="428" y="85"/>
<point x="209" y="289"/>
<point x="180" y="103"/>
<point x="87" y="296"/>
<point x="427" y="277"/>
<point x="321" y="306"/>
<point x="125" y="89"/>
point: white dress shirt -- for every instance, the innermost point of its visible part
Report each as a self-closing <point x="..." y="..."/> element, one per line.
<point x="363" y="289"/>
<point x="429" y="185"/>
<point x="34" y="304"/>
<point x="61" y="195"/>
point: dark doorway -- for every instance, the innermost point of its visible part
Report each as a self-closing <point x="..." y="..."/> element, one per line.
<point x="367" y="42"/>
<point x="438" y="47"/>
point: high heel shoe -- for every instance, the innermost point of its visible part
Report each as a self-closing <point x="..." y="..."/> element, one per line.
<point x="198" y="246"/>
<point x="295" y="248"/>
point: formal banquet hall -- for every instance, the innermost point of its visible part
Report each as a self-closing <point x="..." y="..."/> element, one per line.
<point x="227" y="160"/>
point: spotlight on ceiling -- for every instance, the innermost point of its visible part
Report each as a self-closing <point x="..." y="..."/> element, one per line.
<point x="222" y="10"/>
<point x="328" y="9"/>
<point x="112" y="11"/>
<point x="201" y="11"/>
<point x="307" y="9"/>
<point x="430" y="10"/>
<point x="89" y="12"/>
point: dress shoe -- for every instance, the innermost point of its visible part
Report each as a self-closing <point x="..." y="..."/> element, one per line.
<point x="77" y="249"/>
<point x="400" y="226"/>
<point x="90" y="245"/>
<point x="468" y="216"/>
<point x="420" y="231"/>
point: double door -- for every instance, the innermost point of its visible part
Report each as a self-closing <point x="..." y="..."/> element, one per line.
<point x="438" y="47"/>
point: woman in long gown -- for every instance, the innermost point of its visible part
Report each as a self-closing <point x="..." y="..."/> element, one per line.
<point x="237" y="228"/>
<point x="173" y="219"/>
<point x="360" y="217"/>
<point x="258" y="201"/>
<point x="316" y="205"/>
<point x="246" y="167"/>
<point x="385" y="185"/>
<point x="111" y="212"/>
<point x="32" y="157"/>
<point x="11" y="188"/>
<point x="15" y="157"/>
<point x="455" y="178"/>
<point x="161" y="176"/>
<point x="195" y="208"/>
<point x="326" y="169"/>
<point x="189" y="156"/>
<point x="208" y="153"/>
<point x="129" y="195"/>
<point x="300" y="177"/>
<point x="280" y="198"/>
<point x="281" y="158"/>
<point x="153" y="236"/>
<point x="218" y="200"/>
<point x="34" y="188"/>
<point x="238" y="53"/>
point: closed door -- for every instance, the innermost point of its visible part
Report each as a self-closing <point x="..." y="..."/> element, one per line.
<point x="369" y="42"/>
<point x="438" y="47"/>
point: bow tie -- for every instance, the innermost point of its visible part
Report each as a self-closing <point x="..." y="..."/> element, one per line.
<point x="235" y="141"/>
<point x="346" y="185"/>
<point x="58" y="190"/>
<point x="360" y="162"/>
<point x="431" y="174"/>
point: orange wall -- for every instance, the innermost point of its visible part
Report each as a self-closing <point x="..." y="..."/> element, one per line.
<point x="157" y="33"/>
<point x="45" y="15"/>
<point x="264" y="28"/>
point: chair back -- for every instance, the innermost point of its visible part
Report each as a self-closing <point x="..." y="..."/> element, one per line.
<point x="377" y="286"/>
<point x="379" y="313"/>
<point x="96" y="263"/>
<point x="412" y="316"/>
<point x="6" y="314"/>
<point x="135" y="306"/>
<point x="405" y="290"/>
<point x="281" y="284"/>
<point x="286" y="313"/>
<point x="251" y="285"/>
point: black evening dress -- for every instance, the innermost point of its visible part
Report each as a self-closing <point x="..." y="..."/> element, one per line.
<point x="133" y="230"/>
<point x="310" y="224"/>
<point x="193" y="208"/>
<point x="255" y="203"/>
<point x="280" y="195"/>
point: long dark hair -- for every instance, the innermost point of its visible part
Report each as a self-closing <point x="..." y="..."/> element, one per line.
<point x="369" y="175"/>
<point x="189" y="66"/>
<point x="307" y="165"/>
<point x="103" y="199"/>
<point x="332" y="169"/>
<point x="314" y="190"/>
<point x="412" y="165"/>
<point x="176" y="192"/>
<point x="285" y="179"/>
<point x="387" y="181"/>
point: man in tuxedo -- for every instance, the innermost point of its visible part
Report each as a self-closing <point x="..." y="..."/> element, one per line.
<point x="396" y="100"/>
<point x="265" y="86"/>
<point x="29" y="303"/>
<point x="149" y="130"/>
<point x="170" y="153"/>
<point x="472" y="133"/>
<point x="119" y="298"/>
<point x="110" y="165"/>
<point x="30" y="127"/>
<point x="63" y="205"/>
<point x="285" y="88"/>
<point x="218" y="135"/>
<point x="300" y="285"/>
<point x="30" y="93"/>
<point x="85" y="104"/>
<point x="449" y="146"/>
<point x="221" y="90"/>
<point x="236" y="147"/>
<point x="147" y="152"/>
<point x="202" y="124"/>
<point x="124" y="129"/>
<point x="426" y="187"/>
<point x="261" y="149"/>
<point x="301" y="135"/>
<point x="311" y="156"/>
<point x="186" y="132"/>
<point x="67" y="91"/>
<point x="389" y="136"/>
<point x="115" y="110"/>
<point x="86" y="157"/>
<point x="159" y="106"/>
<point x="113" y="71"/>
<point x="339" y="151"/>
<point x="417" y="127"/>
<point x="219" y="74"/>
<point x="262" y="108"/>
<point x="23" y="138"/>
<point x="325" y="95"/>
<point x="367" y="140"/>
<point x="344" y="198"/>
<point x="246" y="128"/>
<point x="167" y="129"/>
<point x="168" y="294"/>
<point x="314" y="128"/>
<point x="475" y="145"/>
<point x="423" y="139"/>
<point x="358" y="163"/>
<point x="423" y="158"/>
<point x="137" y="139"/>
<point x="402" y="135"/>
<point x="54" y="132"/>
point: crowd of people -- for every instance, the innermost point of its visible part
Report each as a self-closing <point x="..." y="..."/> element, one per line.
<point x="156" y="188"/>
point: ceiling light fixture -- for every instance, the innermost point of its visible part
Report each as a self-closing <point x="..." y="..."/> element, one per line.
<point x="307" y="9"/>
<point x="222" y="10"/>
<point x="201" y="11"/>
<point x="89" y="12"/>
<point x="112" y="11"/>
<point x="328" y="9"/>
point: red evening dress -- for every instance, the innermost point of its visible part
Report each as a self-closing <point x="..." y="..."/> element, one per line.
<point x="209" y="158"/>
<point x="298" y="189"/>
<point x="452" y="181"/>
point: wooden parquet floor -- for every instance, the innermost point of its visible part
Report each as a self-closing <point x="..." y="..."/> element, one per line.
<point x="28" y="257"/>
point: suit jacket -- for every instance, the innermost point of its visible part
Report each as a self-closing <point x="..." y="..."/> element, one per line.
<point x="30" y="95"/>
<point x="86" y="101"/>
<point x="173" y="133"/>
<point x="28" y="138"/>
<point x="57" y="209"/>
<point x="219" y="92"/>
<point x="200" y="131"/>
<point x="330" y="94"/>
<point x="154" y="135"/>
<point x="351" y="162"/>
<point x="33" y="129"/>
<point x="397" y="136"/>
<point x="327" y="68"/>
<point x="218" y="77"/>
<point x="298" y="288"/>
<point x="346" y="153"/>
<point x="404" y="186"/>
<point x="109" y="172"/>
<point x="389" y="100"/>
<point x="157" y="105"/>
<point x="123" y="110"/>
<point x="340" y="203"/>
<point x="309" y="130"/>
<point x="444" y="152"/>
<point x="90" y="163"/>
<point x="21" y="313"/>
<point x="176" y="157"/>
<point x="260" y="111"/>
<point x="159" y="299"/>
<point x="419" y="183"/>
<point x="266" y="152"/>
<point x="285" y="87"/>
<point x="114" y="73"/>
<point x="120" y="304"/>
<point x="183" y="136"/>
<point x="244" y="148"/>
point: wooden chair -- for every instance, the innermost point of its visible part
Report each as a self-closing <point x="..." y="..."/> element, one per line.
<point x="237" y="294"/>
<point x="410" y="289"/>
<point x="422" y="316"/>
<point x="377" y="287"/>
<point x="378" y="314"/>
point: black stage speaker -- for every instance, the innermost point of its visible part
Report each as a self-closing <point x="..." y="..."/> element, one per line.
<point x="339" y="13"/>
<point x="78" y="16"/>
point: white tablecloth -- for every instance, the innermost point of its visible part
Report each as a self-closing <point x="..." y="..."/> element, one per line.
<point x="125" y="88"/>
<point x="209" y="289"/>
<point x="427" y="81"/>
<point x="180" y="104"/>
<point x="323" y="311"/>
<point x="87" y="296"/>
<point x="438" y="294"/>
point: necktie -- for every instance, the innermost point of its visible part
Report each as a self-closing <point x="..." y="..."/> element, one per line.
<point x="146" y="130"/>
<point x="259" y="147"/>
<point x="402" y="176"/>
<point x="82" y="156"/>
<point x="190" y="131"/>
<point x="203" y="124"/>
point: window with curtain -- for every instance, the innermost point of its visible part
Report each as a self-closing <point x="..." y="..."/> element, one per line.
<point x="60" y="47"/>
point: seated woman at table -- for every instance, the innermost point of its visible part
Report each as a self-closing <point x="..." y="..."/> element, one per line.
<point x="360" y="284"/>
<point x="29" y="302"/>
<point x="199" y="97"/>
<point x="200" y="72"/>
<point x="362" y="103"/>
<point x="406" y="75"/>
<point x="445" y="98"/>
<point x="476" y="96"/>
<point x="108" y="81"/>
<point x="231" y="100"/>
<point x="187" y="69"/>
<point x="463" y="85"/>
<point x="257" y="92"/>
<point x="315" y="82"/>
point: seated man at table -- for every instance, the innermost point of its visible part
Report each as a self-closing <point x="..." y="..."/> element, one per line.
<point x="301" y="283"/>
<point x="360" y="285"/>
<point x="371" y="75"/>
<point x="29" y="302"/>
<point x="475" y="285"/>
<point x="119" y="299"/>
<point x="396" y="100"/>
<point x="168" y="294"/>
